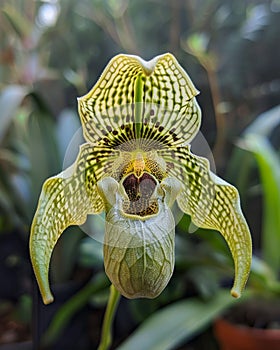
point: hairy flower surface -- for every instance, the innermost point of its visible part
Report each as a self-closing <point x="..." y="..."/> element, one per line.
<point x="138" y="121"/>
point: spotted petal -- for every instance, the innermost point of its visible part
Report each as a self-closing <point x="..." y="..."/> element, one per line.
<point x="212" y="203"/>
<point x="136" y="99"/>
<point x="66" y="199"/>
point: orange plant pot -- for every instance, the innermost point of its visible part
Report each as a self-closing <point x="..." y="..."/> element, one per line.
<point x="237" y="337"/>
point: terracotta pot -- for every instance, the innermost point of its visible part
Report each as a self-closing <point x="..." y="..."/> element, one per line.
<point x="237" y="337"/>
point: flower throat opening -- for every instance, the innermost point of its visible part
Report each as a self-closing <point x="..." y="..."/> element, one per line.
<point x="139" y="191"/>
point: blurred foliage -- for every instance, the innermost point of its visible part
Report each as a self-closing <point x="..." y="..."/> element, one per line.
<point x="256" y="139"/>
<point x="179" y="321"/>
<point x="53" y="51"/>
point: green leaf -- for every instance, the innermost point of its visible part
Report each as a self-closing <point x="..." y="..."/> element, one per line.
<point x="262" y="277"/>
<point x="265" y="123"/>
<point x="10" y="99"/>
<point x="269" y="167"/>
<point x="240" y="176"/>
<point x="11" y="200"/>
<point x="74" y="304"/>
<point x="176" y="323"/>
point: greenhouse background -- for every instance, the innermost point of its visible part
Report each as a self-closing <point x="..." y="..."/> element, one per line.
<point x="52" y="52"/>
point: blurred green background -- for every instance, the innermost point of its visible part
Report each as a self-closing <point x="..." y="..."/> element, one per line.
<point x="53" y="51"/>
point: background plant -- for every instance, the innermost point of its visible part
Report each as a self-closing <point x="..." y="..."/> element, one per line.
<point x="231" y="51"/>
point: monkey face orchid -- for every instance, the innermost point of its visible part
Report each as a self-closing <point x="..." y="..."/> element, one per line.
<point x="138" y="121"/>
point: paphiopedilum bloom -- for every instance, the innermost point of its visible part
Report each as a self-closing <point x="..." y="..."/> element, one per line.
<point x="138" y="122"/>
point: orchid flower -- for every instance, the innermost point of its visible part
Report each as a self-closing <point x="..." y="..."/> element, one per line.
<point x="138" y="122"/>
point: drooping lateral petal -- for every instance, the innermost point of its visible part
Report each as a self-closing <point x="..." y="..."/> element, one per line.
<point x="65" y="200"/>
<point x="137" y="99"/>
<point x="212" y="203"/>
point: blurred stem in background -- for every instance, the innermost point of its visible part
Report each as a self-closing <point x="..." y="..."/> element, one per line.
<point x="196" y="45"/>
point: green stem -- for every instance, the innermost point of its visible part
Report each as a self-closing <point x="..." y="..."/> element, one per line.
<point x="106" y="335"/>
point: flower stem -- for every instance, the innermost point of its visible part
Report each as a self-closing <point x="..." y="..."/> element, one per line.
<point x="106" y="335"/>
